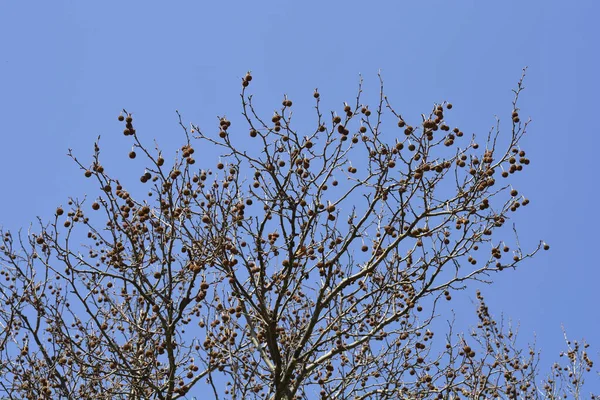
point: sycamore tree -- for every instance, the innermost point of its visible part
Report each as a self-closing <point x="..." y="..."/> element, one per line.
<point x="303" y="264"/>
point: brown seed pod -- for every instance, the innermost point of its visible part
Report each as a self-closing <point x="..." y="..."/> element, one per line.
<point x="428" y="124"/>
<point x="121" y="118"/>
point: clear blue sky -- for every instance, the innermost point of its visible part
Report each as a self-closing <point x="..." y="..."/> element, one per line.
<point x="68" y="67"/>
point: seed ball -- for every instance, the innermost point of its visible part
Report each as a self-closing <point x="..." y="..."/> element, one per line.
<point x="253" y="133"/>
<point x="222" y="134"/>
<point x="449" y="106"/>
<point x="128" y="119"/>
<point x="220" y="166"/>
<point x="363" y="129"/>
<point x="514" y="192"/>
<point x="248" y="77"/>
<point x="316" y="94"/>
<point x="95" y="206"/>
<point x="132" y="154"/>
<point x="59" y="211"/>
<point x="245" y="83"/>
<point x="546" y="246"/>
<point x="88" y="173"/>
<point x="121" y="118"/>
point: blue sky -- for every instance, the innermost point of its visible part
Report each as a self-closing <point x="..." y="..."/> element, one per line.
<point x="67" y="68"/>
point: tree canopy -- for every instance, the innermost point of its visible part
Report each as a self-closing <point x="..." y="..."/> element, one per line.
<point x="303" y="264"/>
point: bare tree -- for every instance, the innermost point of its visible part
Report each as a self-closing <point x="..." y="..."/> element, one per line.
<point x="304" y="264"/>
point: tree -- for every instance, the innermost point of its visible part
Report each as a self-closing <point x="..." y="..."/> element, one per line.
<point x="302" y="263"/>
